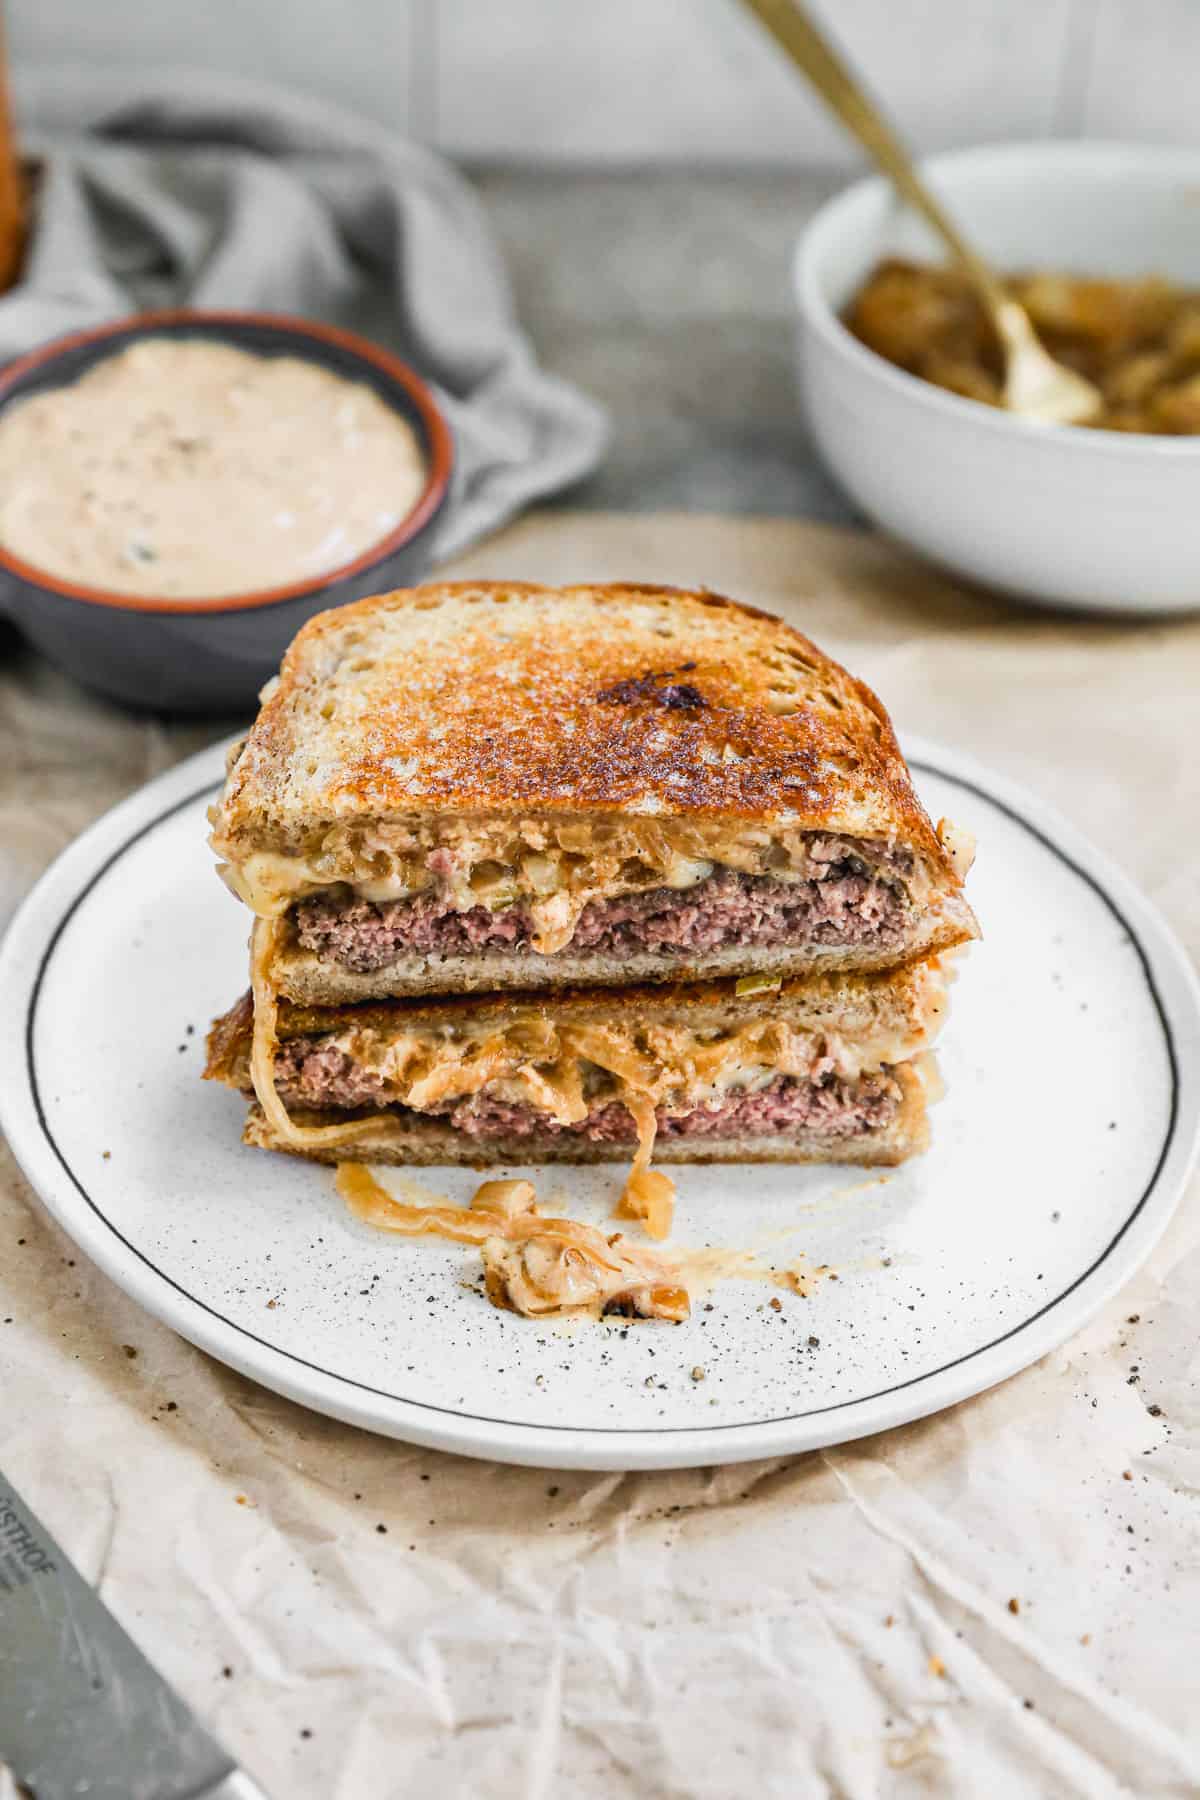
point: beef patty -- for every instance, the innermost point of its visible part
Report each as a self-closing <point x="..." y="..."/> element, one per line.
<point x="841" y="905"/>
<point x="313" y="1072"/>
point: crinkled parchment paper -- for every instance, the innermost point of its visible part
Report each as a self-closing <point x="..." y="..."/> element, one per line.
<point x="1001" y="1600"/>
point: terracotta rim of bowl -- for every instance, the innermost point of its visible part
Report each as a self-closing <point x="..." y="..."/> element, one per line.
<point x="436" y="428"/>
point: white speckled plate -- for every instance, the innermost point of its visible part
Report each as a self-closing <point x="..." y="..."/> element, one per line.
<point x="1072" y="1063"/>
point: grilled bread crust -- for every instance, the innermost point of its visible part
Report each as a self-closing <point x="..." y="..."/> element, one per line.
<point x="431" y="1143"/>
<point x="506" y="698"/>
<point x="903" y="1001"/>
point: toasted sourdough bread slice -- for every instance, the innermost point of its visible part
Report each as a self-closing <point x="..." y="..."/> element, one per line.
<point x="810" y="1066"/>
<point x="502" y="752"/>
<point x="895" y="1012"/>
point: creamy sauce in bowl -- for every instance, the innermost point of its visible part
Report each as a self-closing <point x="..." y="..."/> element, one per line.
<point x="187" y="468"/>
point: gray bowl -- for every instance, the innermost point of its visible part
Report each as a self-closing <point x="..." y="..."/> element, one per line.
<point x="197" y="656"/>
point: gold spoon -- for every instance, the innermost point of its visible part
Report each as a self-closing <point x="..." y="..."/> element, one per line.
<point x="1035" y="385"/>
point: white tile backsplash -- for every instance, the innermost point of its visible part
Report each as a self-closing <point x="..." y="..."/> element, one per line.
<point x="700" y="80"/>
<point x="677" y="81"/>
<point x="356" y="53"/>
<point x="1144" y="71"/>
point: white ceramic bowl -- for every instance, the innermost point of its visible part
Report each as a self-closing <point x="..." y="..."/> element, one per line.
<point x="1095" y="520"/>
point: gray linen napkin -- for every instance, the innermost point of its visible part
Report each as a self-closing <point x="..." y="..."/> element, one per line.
<point x="176" y="189"/>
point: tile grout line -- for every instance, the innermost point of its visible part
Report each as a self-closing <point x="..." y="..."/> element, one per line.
<point x="1077" y="68"/>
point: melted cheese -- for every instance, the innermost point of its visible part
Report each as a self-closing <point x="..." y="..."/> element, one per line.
<point x="534" y="1061"/>
<point x="648" y="1194"/>
<point x="555" y="868"/>
<point x="959" y="845"/>
<point x="268" y="883"/>
<point x="264" y="1044"/>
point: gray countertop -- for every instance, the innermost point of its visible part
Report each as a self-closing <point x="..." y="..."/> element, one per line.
<point x="667" y="296"/>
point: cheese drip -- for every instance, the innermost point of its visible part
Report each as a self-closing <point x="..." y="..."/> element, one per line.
<point x="534" y="1060"/>
<point x="648" y="1194"/>
<point x="265" y="1043"/>
<point x="644" y="1196"/>
<point x="543" y="1064"/>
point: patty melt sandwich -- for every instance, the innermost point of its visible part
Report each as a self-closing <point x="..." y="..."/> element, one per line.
<point x="493" y="785"/>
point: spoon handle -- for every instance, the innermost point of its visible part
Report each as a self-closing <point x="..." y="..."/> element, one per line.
<point x="794" y="28"/>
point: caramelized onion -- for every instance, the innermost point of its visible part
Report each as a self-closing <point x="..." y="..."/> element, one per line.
<point x="531" y="1265"/>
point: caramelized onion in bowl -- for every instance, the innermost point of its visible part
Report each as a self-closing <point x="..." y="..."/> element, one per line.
<point x="1136" y="340"/>
<point x="1097" y="520"/>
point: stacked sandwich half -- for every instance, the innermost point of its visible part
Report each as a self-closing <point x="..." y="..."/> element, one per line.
<point x="581" y="874"/>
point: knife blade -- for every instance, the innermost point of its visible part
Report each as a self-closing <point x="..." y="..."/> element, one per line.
<point x="83" y="1715"/>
